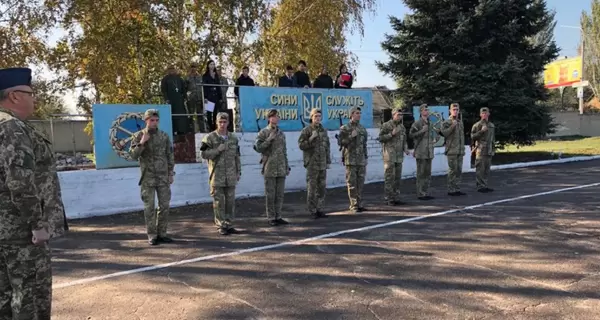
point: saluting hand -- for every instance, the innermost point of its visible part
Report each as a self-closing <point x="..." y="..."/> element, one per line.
<point x="354" y="133"/>
<point x="314" y="135"/>
<point x="40" y="236"/>
<point x="222" y="147"/>
<point x="145" y="138"/>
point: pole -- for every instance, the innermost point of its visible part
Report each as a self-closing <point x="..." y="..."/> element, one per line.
<point x="582" y="69"/>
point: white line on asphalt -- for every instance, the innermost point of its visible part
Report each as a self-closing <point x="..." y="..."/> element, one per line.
<point x="302" y="241"/>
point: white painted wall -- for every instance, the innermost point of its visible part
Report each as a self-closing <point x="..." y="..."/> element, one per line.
<point x="89" y="193"/>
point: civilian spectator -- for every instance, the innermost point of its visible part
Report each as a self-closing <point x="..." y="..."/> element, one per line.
<point x="323" y="81"/>
<point x="344" y="79"/>
<point x="212" y="93"/>
<point x="243" y="80"/>
<point x="287" y="80"/>
<point x="301" y="78"/>
<point x="225" y="104"/>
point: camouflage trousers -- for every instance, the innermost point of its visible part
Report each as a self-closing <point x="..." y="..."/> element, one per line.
<point x="454" y="172"/>
<point x="392" y="177"/>
<point x="355" y="181"/>
<point x="316" y="184"/>
<point x="25" y="282"/>
<point x="197" y="107"/>
<point x="223" y="206"/>
<point x="274" y="190"/>
<point x="157" y="219"/>
<point x="482" y="171"/>
<point x="423" y="177"/>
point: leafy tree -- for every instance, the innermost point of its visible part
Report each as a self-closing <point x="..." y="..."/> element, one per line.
<point x="480" y="54"/>
<point x="23" y="27"/>
<point x="48" y="101"/>
<point x="314" y="31"/>
<point x="590" y="24"/>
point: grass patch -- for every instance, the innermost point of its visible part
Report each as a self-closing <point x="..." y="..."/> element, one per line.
<point x="555" y="148"/>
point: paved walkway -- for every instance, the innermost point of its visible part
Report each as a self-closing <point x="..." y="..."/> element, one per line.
<point x="482" y="256"/>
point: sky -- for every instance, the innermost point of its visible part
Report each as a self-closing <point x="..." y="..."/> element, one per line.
<point x="368" y="48"/>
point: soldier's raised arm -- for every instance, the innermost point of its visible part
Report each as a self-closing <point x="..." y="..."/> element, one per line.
<point x="385" y="134"/>
<point x="18" y="164"/>
<point x="416" y="133"/>
<point x="476" y="132"/>
<point x="137" y="148"/>
<point x="345" y="136"/>
<point x="304" y="141"/>
<point x="447" y="128"/>
<point x="209" y="150"/>
<point x="262" y="142"/>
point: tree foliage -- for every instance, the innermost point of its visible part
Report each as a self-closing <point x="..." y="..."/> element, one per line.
<point x="314" y="31"/>
<point x="590" y="24"/>
<point x="478" y="53"/>
<point x="48" y="101"/>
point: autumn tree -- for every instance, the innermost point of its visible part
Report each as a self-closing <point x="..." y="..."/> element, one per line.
<point x="314" y="31"/>
<point x="49" y="102"/>
<point x="480" y="54"/>
<point x="590" y="24"/>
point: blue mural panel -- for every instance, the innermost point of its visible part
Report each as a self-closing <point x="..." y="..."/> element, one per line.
<point x="437" y="115"/>
<point x="294" y="106"/>
<point x="114" y="126"/>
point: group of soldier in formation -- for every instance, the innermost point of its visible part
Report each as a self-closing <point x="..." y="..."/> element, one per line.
<point x="221" y="150"/>
<point x="32" y="212"/>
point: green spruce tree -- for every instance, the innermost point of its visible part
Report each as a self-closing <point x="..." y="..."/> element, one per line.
<point x="480" y="54"/>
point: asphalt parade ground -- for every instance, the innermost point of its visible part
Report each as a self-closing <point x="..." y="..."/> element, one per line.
<point x="529" y="250"/>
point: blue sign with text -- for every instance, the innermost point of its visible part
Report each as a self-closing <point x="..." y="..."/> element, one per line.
<point x="114" y="127"/>
<point x="437" y="115"/>
<point x="294" y="106"/>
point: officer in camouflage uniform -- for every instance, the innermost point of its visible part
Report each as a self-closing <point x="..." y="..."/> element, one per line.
<point x="423" y="151"/>
<point x="484" y="135"/>
<point x="154" y="151"/>
<point x="353" y="139"/>
<point x="453" y="131"/>
<point x="316" y="153"/>
<point x="195" y="100"/>
<point x="221" y="149"/>
<point x="392" y="136"/>
<point x="270" y="143"/>
<point x="31" y="208"/>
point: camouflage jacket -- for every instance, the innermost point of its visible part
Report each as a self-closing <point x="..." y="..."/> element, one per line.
<point x="46" y="179"/>
<point x="316" y="153"/>
<point x="393" y="146"/>
<point x="274" y="153"/>
<point x="454" y="137"/>
<point x="155" y="157"/>
<point x="354" y="149"/>
<point x="193" y="84"/>
<point x="484" y="141"/>
<point x="224" y="167"/>
<point x="424" y="139"/>
<point x="20" y="205"/>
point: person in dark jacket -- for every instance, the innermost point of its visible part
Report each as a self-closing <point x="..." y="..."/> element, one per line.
<point x="301" y="78"/>
<point x="324" y="80"/>
<point x="287" y="80"/>
<point x="344" y="79"/>
<point x="173" y="90"/>
<point x="243" y="80"/>
<point x="212" y="93"/>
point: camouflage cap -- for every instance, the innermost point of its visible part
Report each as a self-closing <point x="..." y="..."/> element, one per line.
<point x="397" y="110"/>
<point x="454" y="105"/>
<point x="484" y="109"/>
<point x="272" y="113"/>
<point x="314" y="111"/>
<point x="424" y="106"/>
<point x="151" y="113"/>
<point x="222" y="116"/>
<point x="354" y="109"/>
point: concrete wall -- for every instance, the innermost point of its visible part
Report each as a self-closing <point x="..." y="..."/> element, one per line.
<point x="67" y="136"/>
<point x="572" y="123"/>
<point x="102" y="192"/>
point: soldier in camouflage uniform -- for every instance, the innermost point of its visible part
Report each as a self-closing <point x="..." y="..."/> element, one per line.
<point x="154" y="151"/>
<point x="270" y="143"/>
<point x="31" y="209"/>
<point x="392" y="136"/>
<point x="484" y="135"/>
<point x="221" y="149"/>
<point x="195" y="100"/>
<point x="316" y="153"/>
<point x="423" y="151"/>
<point x="353" y="139"/>
<point x="453" y="131"/>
